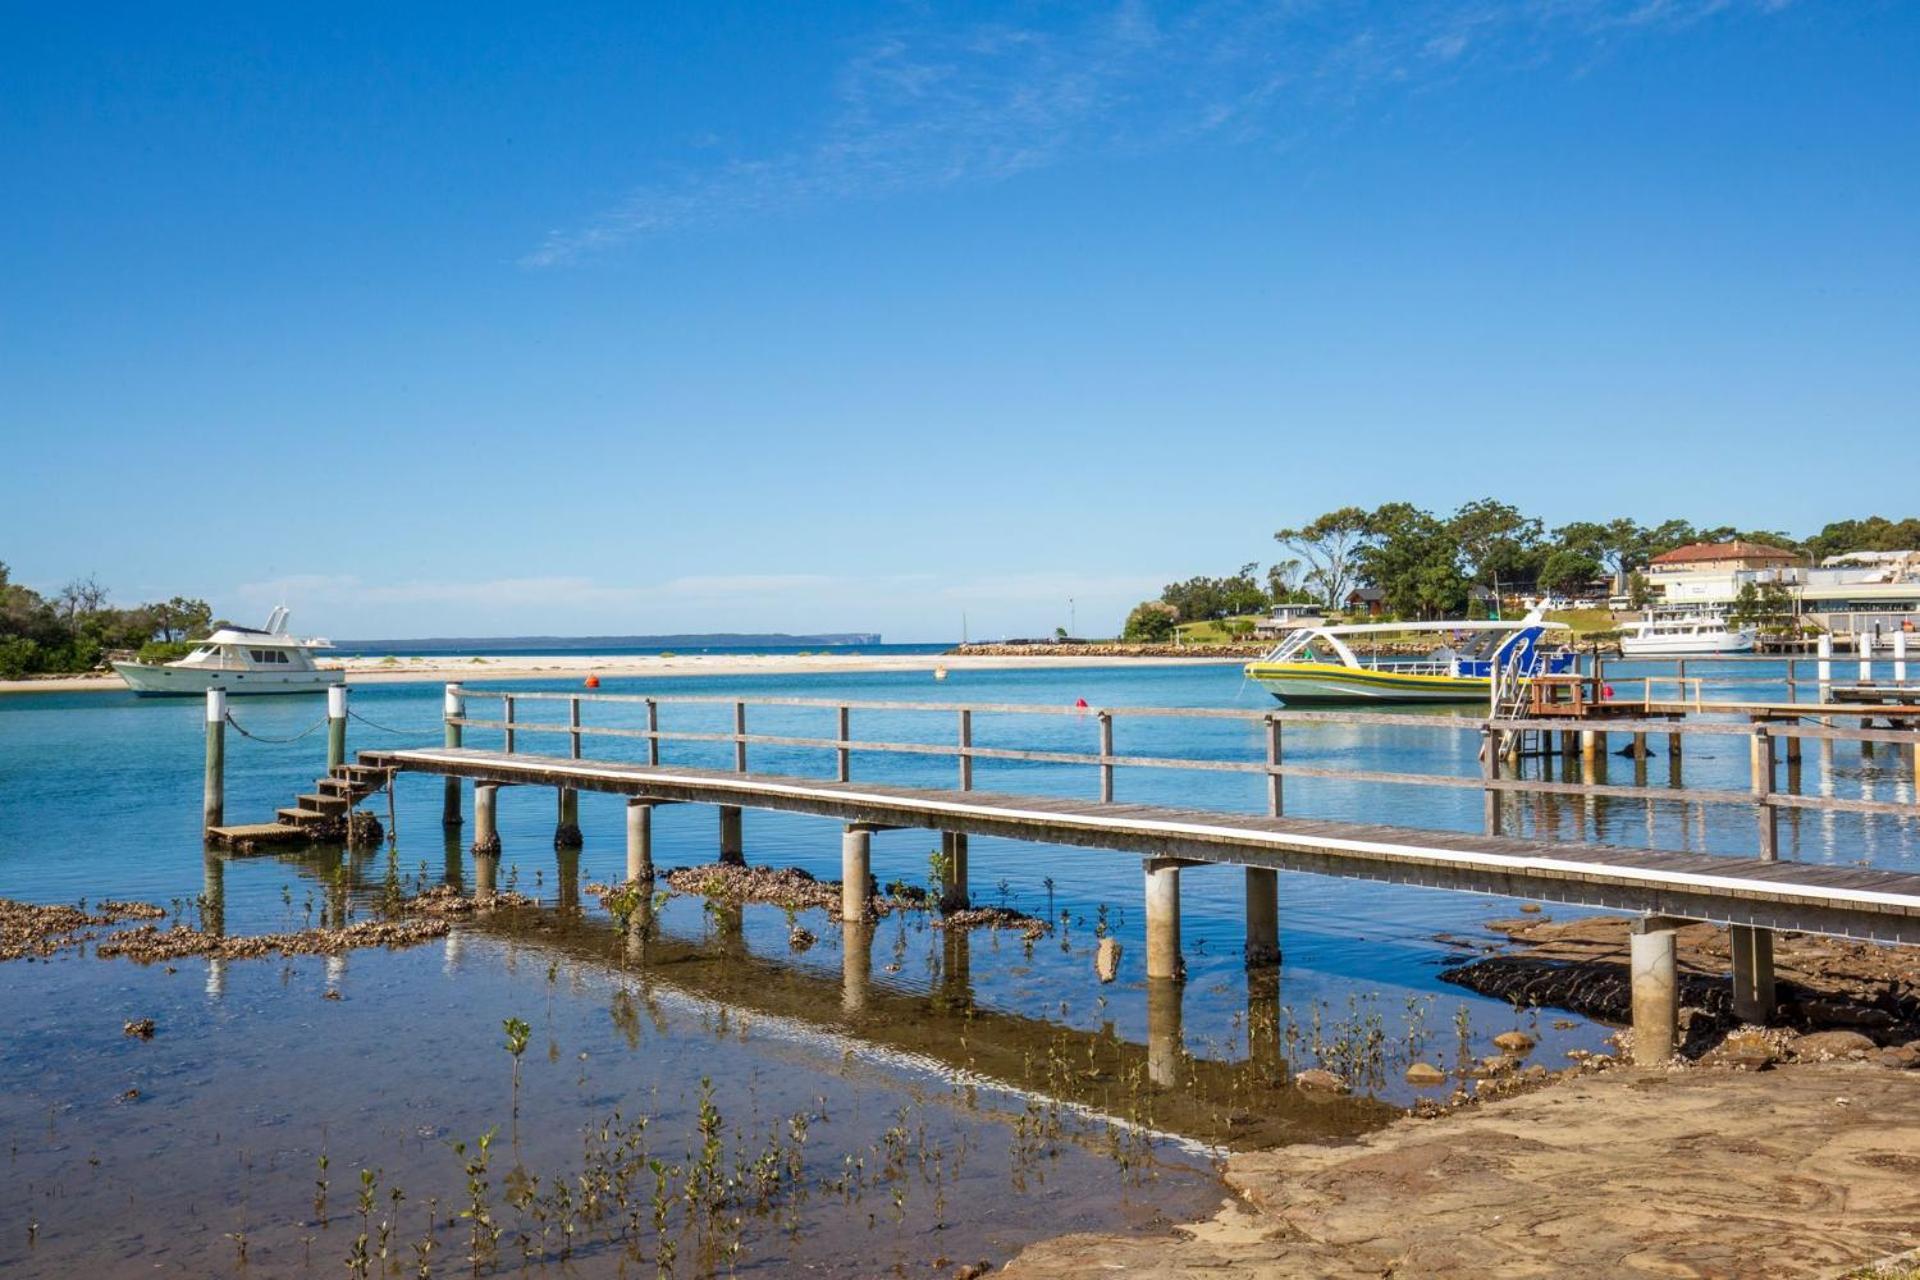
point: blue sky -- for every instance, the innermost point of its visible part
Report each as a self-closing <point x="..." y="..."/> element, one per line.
<point x="474" y="319"/>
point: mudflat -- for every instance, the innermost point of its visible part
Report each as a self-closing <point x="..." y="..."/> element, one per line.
<point x="1802" y="1171"/>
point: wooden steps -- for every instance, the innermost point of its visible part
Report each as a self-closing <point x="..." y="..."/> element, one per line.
<point x="315" y="815"/>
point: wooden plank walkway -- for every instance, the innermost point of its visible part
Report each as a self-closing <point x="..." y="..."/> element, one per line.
<point x="1843" y="901"/>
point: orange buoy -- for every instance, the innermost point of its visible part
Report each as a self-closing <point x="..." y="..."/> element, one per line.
<point x="592" y="682"/>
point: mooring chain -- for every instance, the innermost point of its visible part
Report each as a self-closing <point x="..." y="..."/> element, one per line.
<point x="403" y="733"/>
<point x="279" y="742"/>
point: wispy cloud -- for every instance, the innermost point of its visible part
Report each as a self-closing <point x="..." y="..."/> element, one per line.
<point x="922" y="106"/>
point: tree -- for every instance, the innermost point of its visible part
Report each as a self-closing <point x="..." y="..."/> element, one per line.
<point x="1767" y="605"/>
<point x="1566" y="571"/>
<point x="1150" y="622"/>
<point x="1329" y="545"/>
<point x="1620" y="544"/>
<point x="1283" y="582"/>
<point x="1413" y="558"/>
<point x="1496" y="542"/>
<point x="81" y="597"/>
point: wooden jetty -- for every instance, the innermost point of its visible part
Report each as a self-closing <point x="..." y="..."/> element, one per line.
<point x="1754" y="895"/>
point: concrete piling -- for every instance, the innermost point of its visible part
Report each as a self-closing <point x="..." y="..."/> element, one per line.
<point x="213" y="806"/>
<point x="1163" y="919"/>
<point x="1656" y="992"/>
<point x="856" y="964"/>
<point x="1164" y="1032"/>
<point x="639" y="840"/>
<point x="954" y="895"/>
<point x="486" y="831"/>
<point x="566" y="830"/>
<point x="1263" y="918"/>
<point x="732" y="851"/>
<point x="856" y="873"/>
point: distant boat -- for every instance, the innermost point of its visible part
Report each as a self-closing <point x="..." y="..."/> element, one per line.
<point x="1316" y="664"/>
<point x="239" y="660"/>
<point x="1664" y="634"/>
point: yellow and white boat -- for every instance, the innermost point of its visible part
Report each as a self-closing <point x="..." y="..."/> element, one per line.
<point x="1317" y="664"/>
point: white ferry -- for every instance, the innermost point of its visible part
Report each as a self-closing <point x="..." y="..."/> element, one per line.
<point x="1316" y="664"/>
<point x="239" y="660"/>
<point x="1664" y="634"/>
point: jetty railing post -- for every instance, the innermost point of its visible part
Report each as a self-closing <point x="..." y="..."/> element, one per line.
<point x="573" y="725"/>
<point x="739" y="737"/>
<point x="1824" y="667"/>
<point x="336" y="726"/>
<point x="1106" y="757"/>
<point x="1490" y="773"/>
<point x="453" y="708"/>
<point x="213" y="806"/>
<point x="506" y="703"/>
<point x="1900" y="657"/>
<point x="653" y="732"/>
<point x="1276" y="781"/>
<point x="1864" y="642"/>
<point x="843" y="755"/>
<point x="1762" y="755"/>
<point x="966" y="749"/>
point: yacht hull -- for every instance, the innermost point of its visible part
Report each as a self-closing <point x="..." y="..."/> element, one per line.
<point x="151" y="680"/>
<point x="1679" y="646"/>
<point x="1323" y="683"/>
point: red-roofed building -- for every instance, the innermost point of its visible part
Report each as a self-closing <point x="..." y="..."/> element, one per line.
<point x="1722" y="557"/>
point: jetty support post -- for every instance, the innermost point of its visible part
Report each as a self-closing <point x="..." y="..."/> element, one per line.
<point x="1656" y="990"/>
<point x="1163" y="919"/>
<point x="1864" y="642"/>
<point x="1753" y="992"/>
<point x="856" y="965"/>
<point x="486" y="837"/>
<point x="732" y="852"/>
<point x="1900" y="657"/>
<point x="213" y="807"/>
<point x="453" y="708"/>
<point x="954" y="894"/>
<point x="336" y="726"/>
<point x="856" y="873"/>
<point x="566" y="829"/>
<point x="1263" y="918"/>
<point x="639" y="840"/>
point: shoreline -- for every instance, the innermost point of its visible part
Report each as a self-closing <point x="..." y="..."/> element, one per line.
<point x="436" y="669"/>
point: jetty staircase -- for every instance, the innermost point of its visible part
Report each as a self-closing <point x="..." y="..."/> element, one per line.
<point x="328" y="812"/>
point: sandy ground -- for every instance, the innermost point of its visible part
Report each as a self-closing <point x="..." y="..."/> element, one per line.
<point x="364" y="671"/>
<point x="1806" y="1170"/>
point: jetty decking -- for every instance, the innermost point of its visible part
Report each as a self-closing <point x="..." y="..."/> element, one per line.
<point x="1814" y="898"/>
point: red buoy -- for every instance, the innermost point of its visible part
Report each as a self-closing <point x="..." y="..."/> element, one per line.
<point x="593" y="682"/>
<point x="1080" y="703"/>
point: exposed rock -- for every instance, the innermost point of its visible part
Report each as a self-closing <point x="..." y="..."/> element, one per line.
<point x="1824" y="1046"/>
<point x="1906" y="1056"/>
<point x="1106" y="961"/>
<point x="1425" y="1073"/>
<point x="142" y="1028"/>
<point x="1320" y="1080"/>
<point x="800" y="939"/>
<point x="1518" y="1043"/>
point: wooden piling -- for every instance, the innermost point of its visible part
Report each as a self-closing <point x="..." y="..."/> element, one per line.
<point x="1761" y="768"/>
<point x="732" y="851"/>
<point x="1490" y="774"/>
<point x="566" y="828"/>
<point x="213" y="806"/>
<point x="1276" y="781"/>
<point x="336" y="726"/>
<point x="1753" y="987"/>
<point x="1106" y="757"/>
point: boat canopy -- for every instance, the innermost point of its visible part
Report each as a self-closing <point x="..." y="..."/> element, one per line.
<point x="1299" y="642"/>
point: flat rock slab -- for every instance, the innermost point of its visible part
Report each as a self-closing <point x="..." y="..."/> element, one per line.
<point x="1799" y="1172"/>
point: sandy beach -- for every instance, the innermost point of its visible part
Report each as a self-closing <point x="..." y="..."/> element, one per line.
<point x="438" y="669"/>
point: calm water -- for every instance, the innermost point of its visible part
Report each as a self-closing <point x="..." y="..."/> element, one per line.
<point x="959" y="1097"/>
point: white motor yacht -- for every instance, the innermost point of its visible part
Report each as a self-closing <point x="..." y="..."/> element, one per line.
<point x="239" y="660"/>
